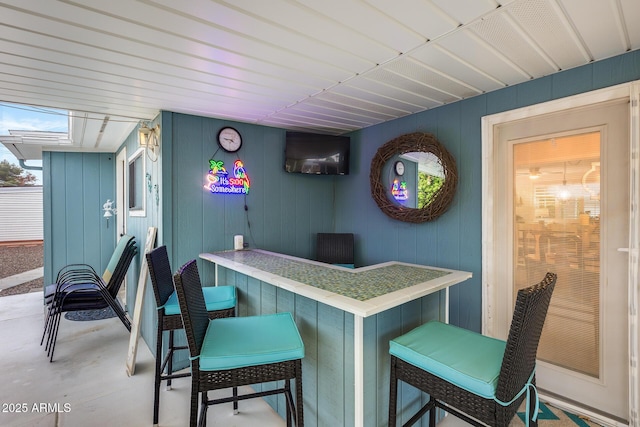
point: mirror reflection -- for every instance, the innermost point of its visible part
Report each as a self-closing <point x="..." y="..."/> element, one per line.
<point x="414" y="178"/>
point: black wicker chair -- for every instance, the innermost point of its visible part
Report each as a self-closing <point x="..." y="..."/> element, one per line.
<point x="220" y="302"/>
<point x="238" y="351"/>
<point x="335" y="248"/>
<point x="471" y="375"/>
<point x="79" y="288"/>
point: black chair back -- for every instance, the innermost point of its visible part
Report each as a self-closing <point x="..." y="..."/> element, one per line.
<point x="192" y="305"/>
<point x="335" y="248"/>
<point x="519" y="358"/>
<point x="161" y="275"/>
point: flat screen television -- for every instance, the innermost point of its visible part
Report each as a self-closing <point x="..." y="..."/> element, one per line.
<point x="318" y="154"/>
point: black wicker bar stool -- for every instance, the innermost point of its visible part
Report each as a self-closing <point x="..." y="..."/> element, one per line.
<point x="237" y="351"/>
<point x="471" y="375"/>
<point x="220" y="302"/>
<point x="336" y="248"/>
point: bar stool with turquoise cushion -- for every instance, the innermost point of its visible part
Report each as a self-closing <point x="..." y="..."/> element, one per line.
<point x="469" y="375"/>
<point x="220" y="302"/>
<point x="238" y="351"/>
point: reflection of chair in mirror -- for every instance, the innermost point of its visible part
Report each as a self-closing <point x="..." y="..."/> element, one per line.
<point x="479" y="379"/>
<point x="336" y="248"/>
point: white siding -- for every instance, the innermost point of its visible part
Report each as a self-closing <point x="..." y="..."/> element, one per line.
<point x="21" y="216"/>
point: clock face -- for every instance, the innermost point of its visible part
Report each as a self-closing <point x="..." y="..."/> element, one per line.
<point x="399" y="167"/>
<point x="229" y="139"/>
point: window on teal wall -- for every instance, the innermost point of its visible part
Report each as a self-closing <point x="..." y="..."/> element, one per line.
<point x="136" y="176"/>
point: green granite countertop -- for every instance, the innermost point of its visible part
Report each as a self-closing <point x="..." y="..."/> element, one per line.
<point x="360" y="284"/>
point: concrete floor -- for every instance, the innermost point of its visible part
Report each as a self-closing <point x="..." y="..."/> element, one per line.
<point x="87" y="384"/>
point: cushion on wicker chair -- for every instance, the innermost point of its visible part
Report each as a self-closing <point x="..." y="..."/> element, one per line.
<point x="346" y="265"/>
<point x="444" y="350"/>
<point x="215" y="297"/>
<point x="250" y="341"/>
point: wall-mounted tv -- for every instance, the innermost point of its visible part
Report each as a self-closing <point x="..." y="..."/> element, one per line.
<point x="318" y="154"/>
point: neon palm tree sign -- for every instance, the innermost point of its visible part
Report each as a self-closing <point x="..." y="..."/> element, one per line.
<point x="399" y="190"/>
<point x="219" y="181"/>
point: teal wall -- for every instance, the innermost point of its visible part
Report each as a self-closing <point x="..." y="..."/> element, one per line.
<point x="137" y="226"/>
<point x="75" y="186"/>
<point x="454" y="240"/>
<point x="284" y="211"/>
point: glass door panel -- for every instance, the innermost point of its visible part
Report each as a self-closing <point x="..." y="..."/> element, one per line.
<point x="557" y="228"/>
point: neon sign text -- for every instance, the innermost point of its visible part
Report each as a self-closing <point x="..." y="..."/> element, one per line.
<point x="219" y="181"/>
<point x="399" y="190"/>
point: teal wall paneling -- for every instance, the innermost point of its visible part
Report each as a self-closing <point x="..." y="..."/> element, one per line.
<point x="571" y="82"/>
<point x="454" y="240"/>
<point x="92" y="198"/>
<point x="137" y="226"/>
<point x="535" y="91"/>
<point x="285" y="211"/>
<point x="306" y="317"/>
<point x="331" y="387"/>
<point x="75" y="187"/>
<point x="612" y="71"/>
<point x="466" y="297"/>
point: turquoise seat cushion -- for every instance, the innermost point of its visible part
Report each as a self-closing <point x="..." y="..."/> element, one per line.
<point x="464" y="358"/>
<point x="215" y="297"/>
<point x="237" y="342"/>
<point x="346" y="265"/>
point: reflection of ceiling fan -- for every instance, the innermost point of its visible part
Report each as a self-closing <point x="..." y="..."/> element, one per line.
<point x="535" y="172"/>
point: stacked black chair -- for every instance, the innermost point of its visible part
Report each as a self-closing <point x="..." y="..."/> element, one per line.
<point x="220" y="302"/>
<point x="472" y="376"/>
<point x="238" y="351"/>
<point x="78" y="287"/>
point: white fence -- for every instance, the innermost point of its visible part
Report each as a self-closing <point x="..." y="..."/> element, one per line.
<point x="21" y="214"/>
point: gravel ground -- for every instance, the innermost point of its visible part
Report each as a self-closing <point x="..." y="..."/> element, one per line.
<point x="16" y="259"/>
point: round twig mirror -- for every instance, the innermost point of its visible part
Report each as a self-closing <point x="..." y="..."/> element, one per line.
<point x="439" y="201"/>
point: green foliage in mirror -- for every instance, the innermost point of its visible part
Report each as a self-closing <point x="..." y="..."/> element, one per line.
<point x="428" y="187"/>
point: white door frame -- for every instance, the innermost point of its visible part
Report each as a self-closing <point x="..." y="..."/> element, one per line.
<point x="121" y="183"/>
<point x="490" y="273"/>
<point x="121" y="215"/>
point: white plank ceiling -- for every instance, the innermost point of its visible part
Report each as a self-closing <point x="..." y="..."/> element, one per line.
<point x="328" y="66"/>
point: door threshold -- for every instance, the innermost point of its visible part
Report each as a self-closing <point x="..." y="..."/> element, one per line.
<point x="573" y="407"/>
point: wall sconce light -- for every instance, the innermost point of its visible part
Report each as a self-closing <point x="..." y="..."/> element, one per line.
<point x="109" y="210"/>
<point x="149" y="138"/>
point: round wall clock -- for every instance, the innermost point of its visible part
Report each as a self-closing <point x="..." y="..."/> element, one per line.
<point x="229" y="139"/>
<point x="399" y="168"/>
